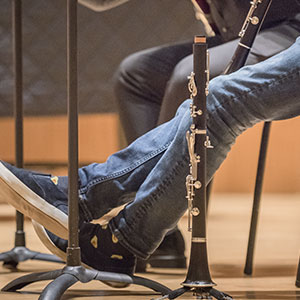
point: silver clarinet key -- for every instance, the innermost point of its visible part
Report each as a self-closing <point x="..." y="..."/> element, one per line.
<point x="207" y="143"/>
<point x="189" y="183"/>
<point x="194" y="159"/>
<point x="192" y="85"/>
<point x="250" y="18"/>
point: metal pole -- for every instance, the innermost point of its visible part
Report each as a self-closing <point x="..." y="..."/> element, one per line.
<point x="18" y="104"/>
<point x="73" y="246"/>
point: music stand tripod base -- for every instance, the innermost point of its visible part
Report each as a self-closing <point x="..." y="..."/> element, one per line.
<point x="199" y="291"/>
<point x="20" y="253"/>
<point x="69" y="275"/>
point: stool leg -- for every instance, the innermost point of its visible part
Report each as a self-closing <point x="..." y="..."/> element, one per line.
<point x="18" y="105"/>
<point x="257" y="196"/>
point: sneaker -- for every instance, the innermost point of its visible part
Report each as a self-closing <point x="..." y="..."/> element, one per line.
<point x="170" y="254"/>
<point x="99" y="250"/>
<point x="39" y="196"/>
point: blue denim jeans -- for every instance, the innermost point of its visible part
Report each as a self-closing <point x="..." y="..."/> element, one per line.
<point x="154" y="167"/>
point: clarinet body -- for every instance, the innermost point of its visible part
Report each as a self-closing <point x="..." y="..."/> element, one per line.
<point x="251" y="26"/>
<point x="198" y="275"/>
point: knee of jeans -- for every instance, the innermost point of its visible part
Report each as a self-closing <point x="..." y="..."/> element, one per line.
<point x="184" y="107"/>
<point x="179" y="78"/>
<point x="216" y="91"/>
<point x="124" y="77"/>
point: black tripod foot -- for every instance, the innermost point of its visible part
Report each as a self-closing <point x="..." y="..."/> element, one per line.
<point x="14" y="256"/>
<point x="199" y="293"/>
<point x="219" y="295"/>
<point x="65" y="278"/>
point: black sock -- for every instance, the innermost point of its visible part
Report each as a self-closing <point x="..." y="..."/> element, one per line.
<point x="101" y="239"/>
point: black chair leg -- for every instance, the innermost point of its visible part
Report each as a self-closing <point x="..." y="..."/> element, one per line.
<point x="257" y="196"/>
<point x="256" y="202"/>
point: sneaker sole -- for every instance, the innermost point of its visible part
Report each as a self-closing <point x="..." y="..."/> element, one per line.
<point x="43" y="236"/>
<point x="16" y="193"/>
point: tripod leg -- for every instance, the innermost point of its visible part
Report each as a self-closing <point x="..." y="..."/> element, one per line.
<point x="178" y="292"/>
<point x="174" y="294"/>
<point x="110" y="278"/>
<point x="155" y="286"/>
<point x="257" y="196"/>
<point x="14" y="256"/>
<point x="20" y="282"/>
<point x="56" y="288"/>
<point x="8" y="260"/>
<point x="47" y="257"/>
<point x="219" y="295"/>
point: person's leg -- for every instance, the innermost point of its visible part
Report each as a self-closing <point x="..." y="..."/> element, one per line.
<point x="267" y="43"/>
<point x="116" y="181"/>
<point x="263" y="92"/>
<point x="44" y="198"/>
<point x="140" y="83"/>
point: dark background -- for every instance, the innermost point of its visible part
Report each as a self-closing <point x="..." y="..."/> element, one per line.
<point x="104" y="40"/>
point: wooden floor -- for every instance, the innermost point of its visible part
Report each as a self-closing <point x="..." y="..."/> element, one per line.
<point x="276" y="256"/>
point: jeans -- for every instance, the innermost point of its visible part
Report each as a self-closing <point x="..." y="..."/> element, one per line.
<point x="155" y="166"/>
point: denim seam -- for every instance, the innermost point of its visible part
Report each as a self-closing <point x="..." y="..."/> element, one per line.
<point x="216" y="110"/>
<point x="260" y="87"/>
<point x="253" y="91"/>
<point x="124" y="171"/>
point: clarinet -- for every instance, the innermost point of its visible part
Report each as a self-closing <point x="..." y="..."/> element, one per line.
<point x="198" y="275"/>
<point x="250" y="28"/>
<point x="198" y="141"/>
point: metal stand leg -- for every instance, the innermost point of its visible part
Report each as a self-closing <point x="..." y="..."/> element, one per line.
<point x="69" y="275"/>
<point x="20" y="252"/>
<point x="199" y="293"/>
<point x="74" y="272"/>
<point x="257" y="196"/>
